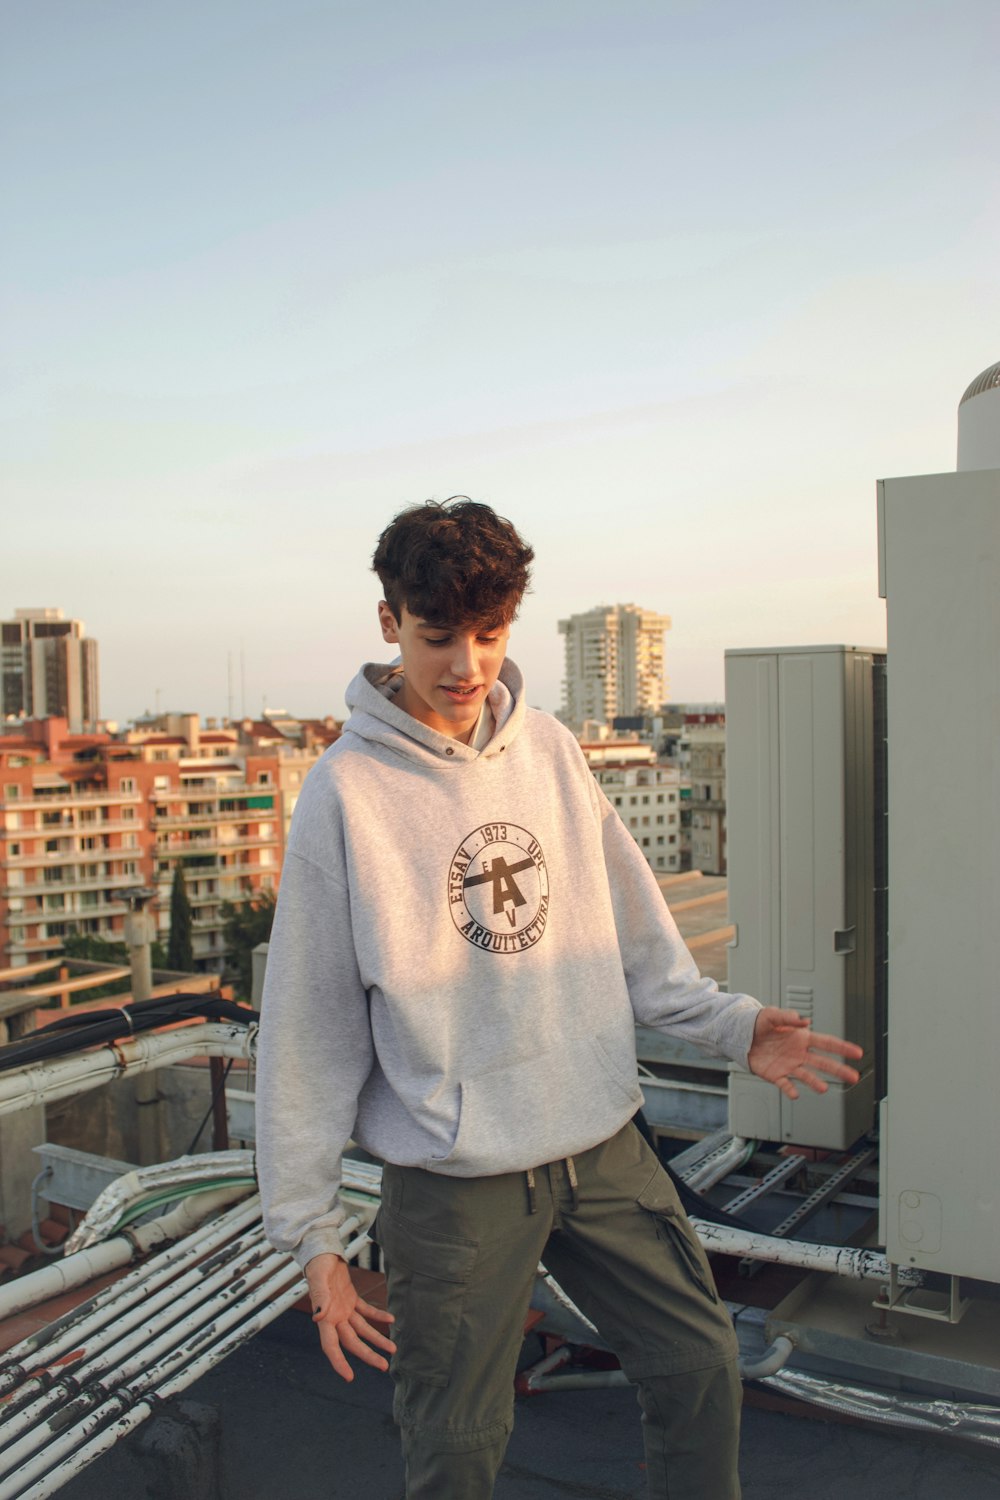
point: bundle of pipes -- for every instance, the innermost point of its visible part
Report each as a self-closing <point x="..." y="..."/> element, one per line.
<point x="61" y="1078"/>
<point x="83" y="1382"/>
<point x="88" y="1028"/>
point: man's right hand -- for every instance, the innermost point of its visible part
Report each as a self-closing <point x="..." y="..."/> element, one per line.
<point x="343" y="1318"/>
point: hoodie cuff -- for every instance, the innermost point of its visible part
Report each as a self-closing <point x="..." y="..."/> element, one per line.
<point x="319" y="1242"/>
<point x="740" y="1024"/>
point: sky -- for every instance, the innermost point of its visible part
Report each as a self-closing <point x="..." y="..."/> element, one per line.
<point x="669" y="284"/>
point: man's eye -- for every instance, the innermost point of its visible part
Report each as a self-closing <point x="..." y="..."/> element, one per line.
<point x="437" y="640"/>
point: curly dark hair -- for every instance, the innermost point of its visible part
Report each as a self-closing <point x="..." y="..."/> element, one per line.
<point x="453" y="563"/>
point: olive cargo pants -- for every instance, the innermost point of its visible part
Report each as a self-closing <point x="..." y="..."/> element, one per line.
<point x="461" y="1255"/>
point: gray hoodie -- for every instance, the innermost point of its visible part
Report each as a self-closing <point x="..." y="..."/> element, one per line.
<point x="463" y="943"/>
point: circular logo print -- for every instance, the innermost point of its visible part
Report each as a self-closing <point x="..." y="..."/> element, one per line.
<point x="498" y="888"/>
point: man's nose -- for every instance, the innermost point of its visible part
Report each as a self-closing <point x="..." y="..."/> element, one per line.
<point x="464" y="658"/>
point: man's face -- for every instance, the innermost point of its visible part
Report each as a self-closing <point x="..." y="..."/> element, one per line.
<point x="447" y="670"/>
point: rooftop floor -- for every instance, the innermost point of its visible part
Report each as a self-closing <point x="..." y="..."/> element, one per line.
<point x="290" y="1427"/>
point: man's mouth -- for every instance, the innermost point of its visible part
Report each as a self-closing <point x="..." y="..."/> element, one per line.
<point x="460" y="693"/>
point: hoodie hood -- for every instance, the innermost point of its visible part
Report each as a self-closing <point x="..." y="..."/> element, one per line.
<point x="376" y="718"/>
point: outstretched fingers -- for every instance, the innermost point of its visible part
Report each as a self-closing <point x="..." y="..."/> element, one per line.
<point x="820" y="1046"/>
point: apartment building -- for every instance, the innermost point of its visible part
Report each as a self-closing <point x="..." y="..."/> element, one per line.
<point x="73" y="835"/>
<point x="614" y="663"/>
<point x="647" y="799"/>
<point x="48" y="668"/>
<point x="708" y="794"/>
<point x="85" y="816"/>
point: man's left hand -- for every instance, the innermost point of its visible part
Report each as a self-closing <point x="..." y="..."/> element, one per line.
<point x="785" y="1052"/>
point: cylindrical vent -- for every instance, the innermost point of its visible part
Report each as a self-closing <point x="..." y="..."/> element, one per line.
<point x="979" y="422"/>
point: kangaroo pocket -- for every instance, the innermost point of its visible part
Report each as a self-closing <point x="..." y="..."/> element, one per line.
<point x="544" y="1107"/>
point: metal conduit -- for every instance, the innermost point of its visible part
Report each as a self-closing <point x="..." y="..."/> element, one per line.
<point x="839" y="1260"/>
<point x="23" y="1368"/>
<point x="86" y="1265"/>
<point x="131" y="1188"/>
<point x="137" y="1284"/>
<point x="149" y="1336"/>
<point x="964" y="1419"/>
<point x="60" y="1078"/>
<point x="137" y="1326"/>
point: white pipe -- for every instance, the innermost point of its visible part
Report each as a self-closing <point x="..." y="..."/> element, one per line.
<point x="86" y="1452"/>
<point x="768" y="1363"/>
<point x="539" y="1378"/>
<point x="139" y="1326"/>
<point x="147" y="1182"/>
<point x="66" y="1441"/>
<point x="62" y="1077"/>
<point x="141" y="1346"/>
<point x="70" y="1455"/>
<point x="840" y="1260"/>
<point x="75" y="1270"/>
<point x="718" y="1165"/>
<point x="111" y="1302"/>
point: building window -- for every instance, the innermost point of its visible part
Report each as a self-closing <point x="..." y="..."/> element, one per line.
<point x="127" y="784"/>
<point x="12" y="791"/>
<point x="127" y="814"/>
<point x="263" y="778"/>
<point x="130" y="841"/>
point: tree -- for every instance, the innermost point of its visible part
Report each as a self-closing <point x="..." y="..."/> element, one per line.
<point x="180" y="953"/>
<point x="244" y="927"/>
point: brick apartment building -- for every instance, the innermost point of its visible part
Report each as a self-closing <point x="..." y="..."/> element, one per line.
<point x="84" y="816"/>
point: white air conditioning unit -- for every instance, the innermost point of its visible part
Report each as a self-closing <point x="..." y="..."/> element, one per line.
<point x="805" y="802"/>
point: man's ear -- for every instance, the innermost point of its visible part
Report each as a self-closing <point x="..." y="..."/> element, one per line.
<point x="387" y="621"/>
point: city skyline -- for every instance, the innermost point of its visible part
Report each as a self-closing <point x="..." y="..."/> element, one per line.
<point x="672" y="295"/>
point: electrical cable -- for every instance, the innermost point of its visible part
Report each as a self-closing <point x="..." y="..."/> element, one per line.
<point x="219" y="1087"/>
<point x="94" y="1028"/>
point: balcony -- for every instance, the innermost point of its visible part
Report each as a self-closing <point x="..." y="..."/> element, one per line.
<point x="185" y="848"/>
<point x="65" y="914"/>
<point x="229" y="815"/>
<point x="55" y="887"/>
<point x="66" y="797"/>
<point x="68" y="857"/>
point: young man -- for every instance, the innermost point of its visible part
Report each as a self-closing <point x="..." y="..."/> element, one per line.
<point x="466" y="935"/>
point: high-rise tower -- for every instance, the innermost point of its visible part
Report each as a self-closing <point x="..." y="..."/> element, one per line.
<point x="48" y="669"/>
<point x="614" y="663"/>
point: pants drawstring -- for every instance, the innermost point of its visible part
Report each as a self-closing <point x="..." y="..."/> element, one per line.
<point x="529" y="1178"/>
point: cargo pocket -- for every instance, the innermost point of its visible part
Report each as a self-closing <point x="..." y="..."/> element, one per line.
<point x="673" y="1228"/>
<point x="427" y="1274"/>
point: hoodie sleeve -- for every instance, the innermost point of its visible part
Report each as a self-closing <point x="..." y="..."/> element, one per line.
<point x="314" y="1053"/>
<point x="666" y="989"/>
